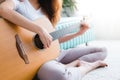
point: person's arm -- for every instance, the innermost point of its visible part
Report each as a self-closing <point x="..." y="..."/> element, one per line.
<point x="7" y="11"/>
<point x="83" y="28"/>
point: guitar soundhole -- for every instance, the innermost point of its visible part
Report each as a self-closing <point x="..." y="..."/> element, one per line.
<point x="38" y="42"/>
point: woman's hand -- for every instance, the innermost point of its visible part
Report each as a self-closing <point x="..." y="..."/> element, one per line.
<point x="83" y="28"/>
<point x="45" y="37"/>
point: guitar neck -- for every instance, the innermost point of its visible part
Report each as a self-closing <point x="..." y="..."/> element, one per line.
<point x="59" y="33"/>
<point x="56" y="34"/>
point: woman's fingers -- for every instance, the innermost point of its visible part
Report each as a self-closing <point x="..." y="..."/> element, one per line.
<point x="49" y="41"/>
<point x="46" y="38"/>
<point x="43" y="41"/>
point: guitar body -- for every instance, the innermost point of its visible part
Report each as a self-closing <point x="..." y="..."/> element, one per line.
<point x="12" y="66"/>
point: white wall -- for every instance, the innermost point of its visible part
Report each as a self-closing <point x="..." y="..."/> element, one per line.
<point x="104" y="15"/>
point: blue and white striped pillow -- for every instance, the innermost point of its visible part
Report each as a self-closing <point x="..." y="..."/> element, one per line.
<point x="66" y="22"/>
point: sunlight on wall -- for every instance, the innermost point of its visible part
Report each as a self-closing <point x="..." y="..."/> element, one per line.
<point x="105" y="16"/>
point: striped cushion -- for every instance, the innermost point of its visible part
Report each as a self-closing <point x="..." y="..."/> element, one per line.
<point x="66" y="22"/>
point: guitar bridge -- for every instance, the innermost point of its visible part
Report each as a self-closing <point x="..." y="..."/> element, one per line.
<point x="21" y="49"/>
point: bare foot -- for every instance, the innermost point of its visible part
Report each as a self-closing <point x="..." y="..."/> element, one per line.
<point x="93" y="64"/>
<point x="86" y="67"/>
<point x="102" y="64"/>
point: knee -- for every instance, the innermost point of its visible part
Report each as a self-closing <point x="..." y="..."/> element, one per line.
<point x="58" y="75"/>
<point x="103" y="54"/>
<point x="53" y="75"/>
<point x="103" y="49"/>
<point x="61" y="76"/>
<point x="52" y="72"/>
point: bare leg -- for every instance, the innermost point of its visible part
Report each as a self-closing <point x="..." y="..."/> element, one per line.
<point x="75" y="63"/>
<point x="86" y="67"/>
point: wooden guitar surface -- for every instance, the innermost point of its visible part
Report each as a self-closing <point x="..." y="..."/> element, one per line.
<point x="12" y="66"/>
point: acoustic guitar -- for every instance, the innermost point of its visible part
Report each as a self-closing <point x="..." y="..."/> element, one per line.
<point x="20" y="55"/>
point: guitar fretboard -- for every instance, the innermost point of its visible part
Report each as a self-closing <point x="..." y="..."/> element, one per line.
<point x="59" y="33"/>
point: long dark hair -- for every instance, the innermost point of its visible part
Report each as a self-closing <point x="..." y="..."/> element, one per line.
<point x="52" y="9"/>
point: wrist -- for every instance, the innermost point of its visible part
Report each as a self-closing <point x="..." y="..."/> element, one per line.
<point x="37" y="29"/>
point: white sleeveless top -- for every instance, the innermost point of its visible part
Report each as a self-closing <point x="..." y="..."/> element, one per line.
<point x="27" y="10"/>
